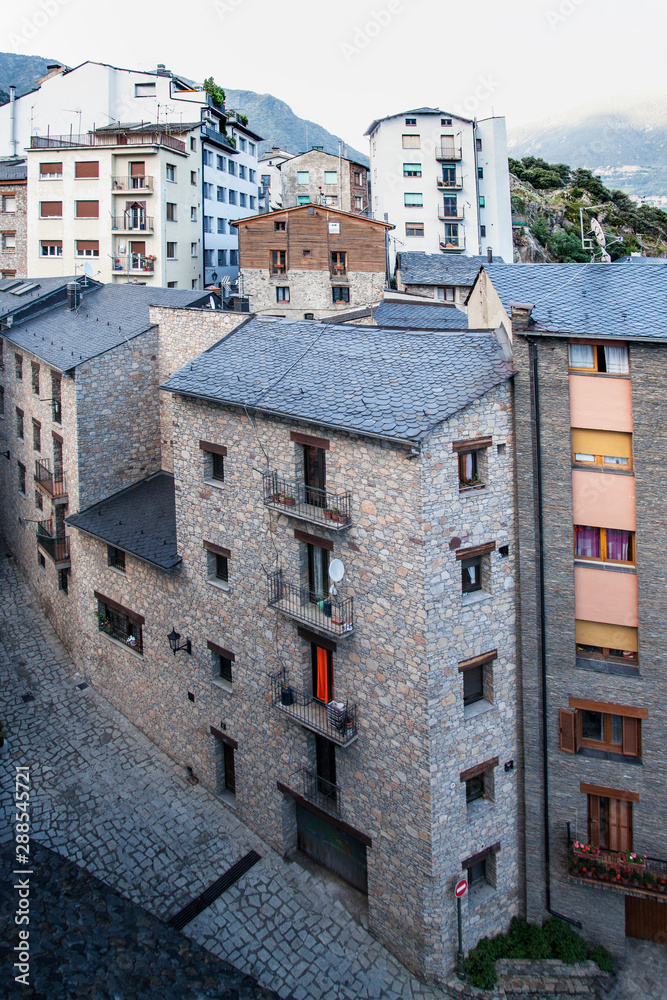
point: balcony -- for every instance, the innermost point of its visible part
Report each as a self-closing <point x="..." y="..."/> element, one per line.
<point x="53" y="483"/>
<point x="454" y="185"/>
<point x="328" y="615"/>
<point x="134" y="263"/>
<point x="448" y="153"/>
<point x="644" y="875"/>
<point x="56" y="547"/>
<point x="129" y="137"/>
<point x="319" y="791"/>
<point x="337" y="721"/>
<point x="453" y="243"/>
<point x="331" y="510"/>
<point x="126" y="185"/>
<point x="129" y="223"/>
<point x="451" y="214"/>
<point x="220" y="138"/>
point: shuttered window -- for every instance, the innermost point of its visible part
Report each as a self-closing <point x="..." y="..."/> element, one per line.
<point x="607" y="448"/>
<point x="87" y="210"/>
<point x="87" y="248"/>
<point x="51" y="209"/>
<point x="50" y="171"/>
<point x="610" y="819"/>
<point x="601" y="726"/>
<point x="50" y="248"/>
<point x="411" y="142"/>
<point x="598" y="640"/>
<point x="87" y="168"/>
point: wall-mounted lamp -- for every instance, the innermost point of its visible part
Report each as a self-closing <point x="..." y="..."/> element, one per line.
<point x="173" y="637"/>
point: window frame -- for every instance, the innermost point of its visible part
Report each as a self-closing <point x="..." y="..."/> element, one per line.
<point x="116" y="559"/>
<point x="112" y="619"/>
<point x="598" y="358"/>
<point x="414" y="230"/>
<point x="468" y="585"/>
<point x="604" y="557"/>
<point x="282" y="293"/>
<point x="340" y="293"/>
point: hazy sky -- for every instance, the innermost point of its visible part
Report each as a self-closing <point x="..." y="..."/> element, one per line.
<point x="344" y="63"/>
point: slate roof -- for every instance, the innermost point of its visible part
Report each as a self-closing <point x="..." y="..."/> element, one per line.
<point x="593" y="300"/>
<point x="140" y="520"/>
<point x="419" y="268"/>
<point x="420" y="316"/>
<point x="370" y="381"/>
<point x="44" y="287"/>
<point x="13" y="169"/>
<point x="108" y="315"/>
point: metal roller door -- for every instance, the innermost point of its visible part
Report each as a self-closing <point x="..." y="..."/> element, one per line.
<point x="336" y="849"/>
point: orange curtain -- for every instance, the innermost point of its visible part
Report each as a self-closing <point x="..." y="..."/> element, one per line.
<point x="322" y="675"/>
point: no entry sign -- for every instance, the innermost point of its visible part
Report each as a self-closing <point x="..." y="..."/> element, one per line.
<point x="461" y="888"/>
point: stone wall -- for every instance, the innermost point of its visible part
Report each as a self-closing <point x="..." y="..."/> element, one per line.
<point x="15" y="222"/>
<point x="310" y="292"/>
<point x="430" y="291"/>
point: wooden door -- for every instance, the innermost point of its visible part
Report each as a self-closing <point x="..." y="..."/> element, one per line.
<point x="646" y="919"/>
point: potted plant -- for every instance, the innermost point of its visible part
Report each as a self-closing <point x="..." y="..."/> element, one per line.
<point x="600" y="870"/>
<point x="104" y="623"/>
<point x="649" y="879"/>
<point x="3" y="734"/>
<point x="328" y="513"/>
<point x="585" y="850"/>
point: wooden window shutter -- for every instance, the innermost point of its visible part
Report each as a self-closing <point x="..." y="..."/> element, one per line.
<point x="87" y="168"/>
<point x="567" y="721"/>
<point x="87" y="209"/>
<point x="137" y="246"/>
<point x="82" y="245"/>
<point x="138" y="168"/>
<point x="620" y="825"/>
<point x="631" y="730"/>
<point x="51" y="209"/>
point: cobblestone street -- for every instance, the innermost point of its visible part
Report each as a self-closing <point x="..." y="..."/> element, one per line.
<point x="105" y="798"/>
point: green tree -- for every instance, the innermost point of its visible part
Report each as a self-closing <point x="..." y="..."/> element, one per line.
<point x="216" y="93"/>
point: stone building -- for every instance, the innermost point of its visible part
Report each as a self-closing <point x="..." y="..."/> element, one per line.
<point x="375" y="728"/>
<point x="321" y="178"/>
<point x="435" y="276"/>
<point x="79" y="415"/>
<point x="589" y="349"/>
<point x="13" y="217"/>
<point x="311" y="262"/>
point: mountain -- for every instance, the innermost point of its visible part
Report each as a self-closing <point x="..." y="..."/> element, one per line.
<point x="21" y="71"/>
<point x="625" y="142"/>
<point x="275" y="120"/>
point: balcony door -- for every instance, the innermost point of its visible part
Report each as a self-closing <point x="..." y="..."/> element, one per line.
<point x="137" y="174"/>
<point x="447" y="145"/>
<point x="610" y="823"/>
<point x="314" y="475"/>
<point x="135" y="215"/>
<point x="325" y="757"/>
<point x="323" y="679"/>
<point x="318" y="572"/>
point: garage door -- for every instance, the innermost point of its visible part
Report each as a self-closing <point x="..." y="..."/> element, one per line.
<point x="336" y="849"/>
<point x="646" y="919"/>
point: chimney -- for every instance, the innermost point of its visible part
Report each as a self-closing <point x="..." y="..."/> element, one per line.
<point x="12" y="119"/>
<point x="317" y="149"/>
<point x="73" y="296"/>
<point x="53" y="67"/>
<point x="489" y="255"/>
<point x="275" y="149"/>
<point x="521" y="314"/>
<point x="162" y="70"/>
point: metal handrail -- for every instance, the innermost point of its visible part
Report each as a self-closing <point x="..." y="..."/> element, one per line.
<point x="444" y="185"/>
<point x="337" y="720"/>
<point x="319" y="791"/>
<point x="53" y="482"/>
<point x="333" y="510"/>
<point x="459" y="213"/>
<point x="127" y="183"/>
<point x="143" y="224"/>
<point x="448" y="152"/>
<point x="147" y="138"/>
<point x="325" y="613"/>
<point x="55" y="546"/>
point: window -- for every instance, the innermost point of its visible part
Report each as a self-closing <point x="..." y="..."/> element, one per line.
<point x="193" y="214"/>
<point x="413" y="199"/>
<point x="610" y="449"/>
<point x="41" y="561"/>
<point x="478" y="145"/>
<point x="231" y="168"/>
<point x="208" y="190"/>
<point x="303" y="199"/>
<point x="331" y="177"/>
<point x="410" y="121"/>
<point x="602" y="727"/>
<point x="222" y="258"/>
<point x="34" y="374"/>
<point x="217" y="565"/>
<point x="358" y="201"/>
<point x="171" y="211"/>
<point x="39" y="500"/>
<point x="171" y="172"/>
<point x="209" y="258"/>
<point x="87" y="248"/>
<point x="302" y="177"/>
<point x="21" y="477"/>
<point x="414" y="228"/>
<point x="50" y="171"/>
<point x="221" y="194"/>
<point x="609" y="644"/>
<point x="479" y="781"/>
<point x="87" y="168"/>
<point x="282" y="294"/>
<point x="252" y="176"/>
<point x="50" y="209"/>
<point x="63" y="580"/>
<point x="469" y="472"/>
<point x="18" y="366"/>
<point x="340" y="294"/>
<point x="473" y="684"/>
<point x="232" y="197"/>
<point x="331" y="199"/>
<point x="322" y="668"/>
<point x="87" y="209"/>
<point x="233" y="258"/>
<point x="609" y="544"/>
<point x="305" y="253"/>
<point x="171" y="251"/>
<point x="242" y="172"/>
<point x="193" y="249"/>
<point x="193" y="180"/>
<point x="144" y="90"/>
<point x="481" y="868"/>
<point x="446" y="294"/>
<point x="208" y="223"/>
<point x="266" y="180"/>
<point x="9" y="204"/>
<point x="482" y="230"/>
<point x="225" y="781"/>
<point x="612" y="360"/>
<point x="36" y="435"/>
<point x="318" y="572"/>
<point x="221" y="568"/>
<point x="445" y="121"/>
<point x="19" y="423"/>
<point x="252" y="149"/>
<point x="119" y="623"/>
<point x="222" y="660"/>
<point x="8" y="242"/>
<point x="412" y="169"/>
<point x="411" y="142"/>
<point x="172" y="284"/>
<point x="243" y="200"/>
<point x="242" y="145"/>
<point x="222" y="225"/>
<point x="252" y="199"/>
<point x="116" y="558"/>
<point x="450" y="206"/>
<point x="325" y="768"/>
<point x="482" y="201"/>
<point x="278" y="262"/>
<point x="609" y="818"/>
<point x="471" y="574"/>
<point x="193" y="144"/>
<point x="480" y="172"/>
<point x="339" y="262"/>
<point x="220" y="162"/>
<point x="207" y="155"/>
<point x="451" y="237"/>
<point x="309" y="315"/>
<point x="50" y="248"/>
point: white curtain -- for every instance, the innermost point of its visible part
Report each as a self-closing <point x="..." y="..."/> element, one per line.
<point x="617" y="360"/>
<point x="581" y="356"/>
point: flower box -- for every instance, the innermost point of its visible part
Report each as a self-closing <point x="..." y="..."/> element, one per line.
<point x="585" y="850"/>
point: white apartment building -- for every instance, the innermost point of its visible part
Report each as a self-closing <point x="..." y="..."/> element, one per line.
<point x="124" y="199"/>
<point x="270" y="175"/>
<point x="74" y="102"/>
<point x="443" y="181"/>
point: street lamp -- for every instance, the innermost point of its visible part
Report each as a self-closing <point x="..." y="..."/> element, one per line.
<point x="173" y="637"/>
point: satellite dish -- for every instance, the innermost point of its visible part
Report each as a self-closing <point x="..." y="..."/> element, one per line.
<point x="88" y="269"/>
<point x="598" y="233"/>
<point x="336" y="570"/>
<point x="606" y="258"/>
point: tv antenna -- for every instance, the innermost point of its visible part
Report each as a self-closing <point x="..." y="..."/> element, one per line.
<point x="336" y="574"/>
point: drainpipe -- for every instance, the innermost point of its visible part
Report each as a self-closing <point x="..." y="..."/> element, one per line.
<point x="12" y="119"/>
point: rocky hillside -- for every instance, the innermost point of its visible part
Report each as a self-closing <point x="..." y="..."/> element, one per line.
<point x="21" y="71"/>
<point x="546" y="203"/>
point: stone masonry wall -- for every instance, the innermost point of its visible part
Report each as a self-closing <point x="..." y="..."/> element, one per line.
<point x="15" y="222"/>
<point x="310" y="292"/>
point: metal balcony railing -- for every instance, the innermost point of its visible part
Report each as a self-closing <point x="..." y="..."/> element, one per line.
<point x="132" y="223"/>
<point x="337" y="720"/>
<point x="629" y="872"/>
<point x="134" y="262"/>
<point x="117" y="630"/>
<point x="453" y="242"/>
<point x="119" y="138"/>
<point x="326" y="614"/>
<point x="332" y="510"/>
<point x="445" y="212"/>
<point x="452" y="185"/>
<point x="143" y="183"/>
<point x="447" y="152"/>
<point x="51" y="481"/>
<point x="318" y="790"/>
<point x="55" y="546"/>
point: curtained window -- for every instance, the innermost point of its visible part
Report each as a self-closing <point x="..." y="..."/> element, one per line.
<point x="322" y="661"/>
<point x="587" y="542"/>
